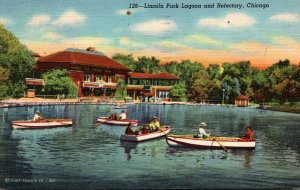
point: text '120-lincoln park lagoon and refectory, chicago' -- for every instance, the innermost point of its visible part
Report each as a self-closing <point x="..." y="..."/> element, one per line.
<point x="198" y="6"/>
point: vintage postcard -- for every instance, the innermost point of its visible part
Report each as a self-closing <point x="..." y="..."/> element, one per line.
<point x="149" y="94"/>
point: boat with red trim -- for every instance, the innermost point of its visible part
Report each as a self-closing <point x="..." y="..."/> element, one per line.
<point x="210" y="142"/>
<point x="41" y="124"/>
<point x="147" y="136"/>
<point x="106" y="120"/>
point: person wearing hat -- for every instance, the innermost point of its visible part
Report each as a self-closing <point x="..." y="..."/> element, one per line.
<point x="37" y="116"/>
<point x="122" y="115"/>
<point x="201" y="132"/>
<point x="154" y="125"/>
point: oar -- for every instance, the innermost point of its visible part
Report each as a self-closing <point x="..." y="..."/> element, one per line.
<point x="224" y="148"/>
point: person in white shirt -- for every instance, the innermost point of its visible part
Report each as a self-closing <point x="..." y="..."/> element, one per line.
<point x="201" y="132"/>
<point x="37" y="116"/>
<point x="122" y="115"/>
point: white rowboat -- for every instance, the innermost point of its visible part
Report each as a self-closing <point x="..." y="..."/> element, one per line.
<point x="211" y="142"/>
<point x="147" y="136"/>
<point x="105" y="120"/>
<point x="42" y="124"/>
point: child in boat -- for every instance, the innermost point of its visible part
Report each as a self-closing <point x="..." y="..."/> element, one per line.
<point x="144" y="129"/>
<point x="249" y="134"/>
<point x="113" y="116"/>
<point x="129" y="130"/>
<point x="201" y="132"/>
<point x="37" y="116"/>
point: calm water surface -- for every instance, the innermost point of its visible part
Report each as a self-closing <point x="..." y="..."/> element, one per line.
<point x="82" y="157"/>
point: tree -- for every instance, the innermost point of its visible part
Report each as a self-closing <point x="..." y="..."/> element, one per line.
<point x="179" y="90"/>
<point x="127" y="60"/>
<point x="58" y="82"/>
<point x="17" y="60"/>
<point x="121" y="91"/>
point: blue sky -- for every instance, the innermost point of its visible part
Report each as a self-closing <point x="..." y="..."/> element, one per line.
<point x="214" y="35"/>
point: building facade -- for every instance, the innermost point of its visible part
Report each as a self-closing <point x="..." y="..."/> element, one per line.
<point x="96" y="75"/>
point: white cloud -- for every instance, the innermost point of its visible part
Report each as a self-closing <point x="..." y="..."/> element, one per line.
<point x="70" y="18"/>
<point x="154" y="27"/>
<point x="4" y="21"/>
<point x="52" y="36"/>
<point x="229" y="21"/>
<point x="39" y="20"/>
<point x="285" y="17"/>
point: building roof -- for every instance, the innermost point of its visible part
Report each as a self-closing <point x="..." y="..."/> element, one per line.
<point x="153" y="76"/>
<point x="82" y="57"/>
<point x="242" y="97"/>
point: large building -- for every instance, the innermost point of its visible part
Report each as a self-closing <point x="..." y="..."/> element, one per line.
<point x="96" y="75"/>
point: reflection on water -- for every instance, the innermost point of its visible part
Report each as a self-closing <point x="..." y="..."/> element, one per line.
<point x="105" y="161"/>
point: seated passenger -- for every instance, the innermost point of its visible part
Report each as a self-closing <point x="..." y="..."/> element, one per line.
<point x="144" y="129"/>
<point x="37" y="116"/>
<point x="154" y="125"/>
<point x="249" y="134"/>
<point x="129" y="130"/>
<point x="122" y="115"/>
<point x="201" y="131"/>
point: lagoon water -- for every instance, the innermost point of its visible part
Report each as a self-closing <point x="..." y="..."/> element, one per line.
<point x="82" y="157"/>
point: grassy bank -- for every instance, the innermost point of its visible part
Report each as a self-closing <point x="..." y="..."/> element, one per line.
<point x="295" y="108"/>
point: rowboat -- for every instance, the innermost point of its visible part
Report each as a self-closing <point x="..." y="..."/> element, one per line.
<point x="119" y="107"/>
<point x="210" y="142"/>
<point x="143" y="137"/>
<point x="105" y="120"/>
<point x="42" y="124"/>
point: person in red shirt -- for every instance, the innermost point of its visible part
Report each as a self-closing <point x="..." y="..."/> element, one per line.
<point x="249" y="134"/>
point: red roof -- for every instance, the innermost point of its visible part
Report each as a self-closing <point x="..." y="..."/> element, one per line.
<point x="242" y="97"/>
<point x="82" y="59"/>
<point x="153" y="76"/>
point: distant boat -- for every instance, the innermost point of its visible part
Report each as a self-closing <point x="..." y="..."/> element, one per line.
<point x="147" y="136"/>
<point x="105" y="120"/>
<point x="210" y="142"/>
<point x="119" y="107"/>
<point x="42" y="124"/>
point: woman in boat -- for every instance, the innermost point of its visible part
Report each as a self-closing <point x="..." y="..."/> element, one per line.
<point x="249" y="134"/>
<point x="122" y="115"/>
<point x="201" y="131"/>
<point x="37" y="116"/>
<point x="154" y="125"/>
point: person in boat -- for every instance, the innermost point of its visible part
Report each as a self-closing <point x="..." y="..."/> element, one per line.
<point x="129" y="130"/>
<point x="144" y="129"/>
<point x="201" y="131"/>
<point x="122" y="115"/>
<point x="249" y="134"/>
<point x="154" y="125"/>
<point x="37" y="116"/>
<point x="113" y="116"/>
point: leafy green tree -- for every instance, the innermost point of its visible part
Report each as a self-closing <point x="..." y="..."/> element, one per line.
<point x="201" y="86"/>
<point x="17" y="60"/>
<point x="121" y="91"/>
<point x="58" y="82"/>
<point x="179" y="90"/>
<point x="127" y="60"/>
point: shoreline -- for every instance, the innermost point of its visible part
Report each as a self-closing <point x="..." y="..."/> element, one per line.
<point x="22" y="102"/>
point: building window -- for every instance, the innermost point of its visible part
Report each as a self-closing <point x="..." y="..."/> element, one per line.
<point x="87" y="77"/>
<point x="109" y="78"/>
<point x="98" y="78"/>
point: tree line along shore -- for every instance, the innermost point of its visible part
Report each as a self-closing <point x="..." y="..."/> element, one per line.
<point x="277" y="85"/>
